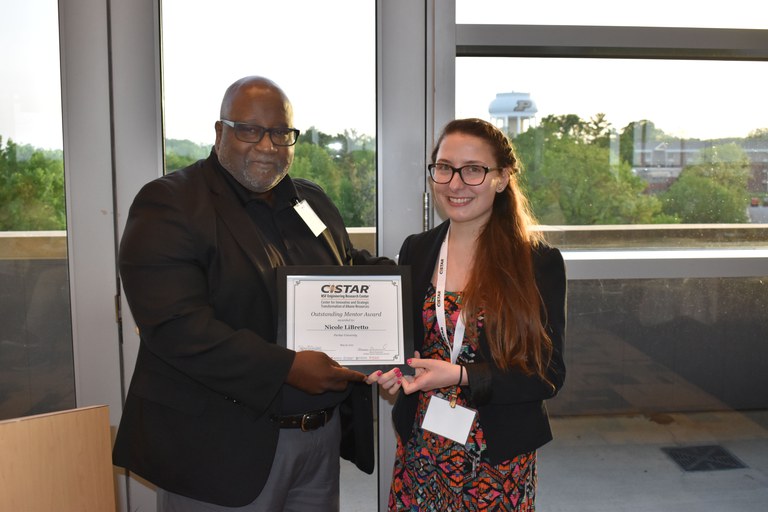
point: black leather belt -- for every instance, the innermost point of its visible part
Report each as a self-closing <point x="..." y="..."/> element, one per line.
<point x="312" y="420"/>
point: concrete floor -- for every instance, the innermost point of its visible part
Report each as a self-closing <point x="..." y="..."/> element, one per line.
<point x="616" y="464"/>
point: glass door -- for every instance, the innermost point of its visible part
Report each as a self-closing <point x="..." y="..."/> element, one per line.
<point x="36" y="354"/>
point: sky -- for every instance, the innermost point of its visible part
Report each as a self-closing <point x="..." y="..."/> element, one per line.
<point x="695" y="99"/>
<point x="30" y="86"/>
<point x="325" y="60"/>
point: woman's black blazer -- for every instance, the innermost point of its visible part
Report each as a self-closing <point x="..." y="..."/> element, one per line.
<point x="510" y="405"/>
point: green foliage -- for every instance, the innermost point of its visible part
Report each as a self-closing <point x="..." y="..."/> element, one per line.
<point x="347" y="175"/>
<point x="570" y="179"/>
<point x="713" y="190"/>
<point x="571" y="176"/>
<point x="759" y="134"/>
<point x="186" y="148"/>
<point x="727" y="165"/>
<point x="695" y="199"/>
<point x="181" y="153"/>
<point x="571" y="127"/>
<point x="316" y="164"/>
<point x="174" y="162"/>
<point x="638" y="133"/>
<point x="357" y="201"/>
<point x="31" y="189"/>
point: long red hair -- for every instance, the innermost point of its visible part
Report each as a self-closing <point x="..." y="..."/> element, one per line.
<point x="502" y="283"/>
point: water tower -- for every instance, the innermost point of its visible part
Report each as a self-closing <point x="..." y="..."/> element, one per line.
<point x="512" y="112"/>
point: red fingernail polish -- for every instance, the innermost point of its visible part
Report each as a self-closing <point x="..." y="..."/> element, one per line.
<point x="379" y="373"/>
<point x="409" y="361"/>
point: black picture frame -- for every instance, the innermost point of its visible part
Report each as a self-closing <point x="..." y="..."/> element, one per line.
<point x="288" y="274"/>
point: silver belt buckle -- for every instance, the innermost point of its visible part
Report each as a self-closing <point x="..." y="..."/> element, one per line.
<point x="306" y="418"/>
<point x="303" y="423"/>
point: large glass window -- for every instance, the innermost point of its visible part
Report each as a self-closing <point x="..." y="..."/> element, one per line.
<point x="665" y="345"/>
<point x="321" y="53"/>
<point x="632" y="141"/>
<point x="652" y="172"/>
<point x="36" y="367"/>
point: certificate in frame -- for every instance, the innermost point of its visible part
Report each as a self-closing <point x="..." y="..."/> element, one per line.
<point x="359" y="315"/>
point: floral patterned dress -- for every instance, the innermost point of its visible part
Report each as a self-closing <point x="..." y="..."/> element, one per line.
<point x="435" y="473"/>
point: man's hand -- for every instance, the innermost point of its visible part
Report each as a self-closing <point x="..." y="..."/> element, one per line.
<point x="315" y="373"/>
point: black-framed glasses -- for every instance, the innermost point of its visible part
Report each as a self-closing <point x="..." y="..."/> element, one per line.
<point x="472" y="174"/>
<point x="254" y="133"/>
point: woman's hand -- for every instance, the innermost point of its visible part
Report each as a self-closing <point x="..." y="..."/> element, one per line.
<point x="394" y="379"/>
<point x="431" y="374"/>
<point x="389" y="381"/>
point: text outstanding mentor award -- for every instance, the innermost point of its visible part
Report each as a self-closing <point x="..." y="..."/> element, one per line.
<point x="359" y="315"/>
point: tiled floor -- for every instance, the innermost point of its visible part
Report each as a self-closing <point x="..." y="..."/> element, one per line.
<point x="616" y="464"/>
<point x="602" y="464"/>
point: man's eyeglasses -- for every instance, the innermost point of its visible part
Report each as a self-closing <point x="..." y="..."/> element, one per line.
<point x="254" y="133"/>
<point x="471" y="175"/>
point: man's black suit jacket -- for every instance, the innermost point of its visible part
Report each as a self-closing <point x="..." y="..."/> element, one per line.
<point x="510" y="405"/>
<point x="199" y="415"/>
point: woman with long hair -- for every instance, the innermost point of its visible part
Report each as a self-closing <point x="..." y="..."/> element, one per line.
<point x="491" y="294"/>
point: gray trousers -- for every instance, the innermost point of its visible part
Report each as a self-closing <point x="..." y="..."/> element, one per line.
<point x="304" y="477"/>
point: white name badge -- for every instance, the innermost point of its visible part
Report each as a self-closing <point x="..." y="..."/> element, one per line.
<point x="310" y="217"/>
<point x="455" y="423"/>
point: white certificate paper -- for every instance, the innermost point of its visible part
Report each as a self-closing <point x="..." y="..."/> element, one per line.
<point x="356" y="315"/>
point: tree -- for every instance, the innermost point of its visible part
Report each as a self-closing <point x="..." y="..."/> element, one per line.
<point x="726" y="164"/>
<point x="316" y="164"/>
<point x="345" y="168"/>
<point x="758" y="134"/>
<point x="695" y="200"/>
<point x="713" y="190"/>
<point x="638" y="133"/>
<point x="181" y="153"/>
<point x="31" y="190"/>
<point x="358" y="188"/>
<point x="570" y="180"/>
<point x="187" y="148"/>
<point x="174" y="162"/>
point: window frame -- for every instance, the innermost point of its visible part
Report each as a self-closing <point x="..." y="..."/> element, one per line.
<point x="610" y="42"/>
<point x="479" y="40"/>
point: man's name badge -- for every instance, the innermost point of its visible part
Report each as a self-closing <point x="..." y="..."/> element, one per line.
<point x="455" y="423"/>
<point x="309" y="217"/>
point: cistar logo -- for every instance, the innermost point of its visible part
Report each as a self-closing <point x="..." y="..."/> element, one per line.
<point x="344" y="288"/>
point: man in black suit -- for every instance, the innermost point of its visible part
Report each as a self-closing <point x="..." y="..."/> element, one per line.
<point x="218" y="415"/>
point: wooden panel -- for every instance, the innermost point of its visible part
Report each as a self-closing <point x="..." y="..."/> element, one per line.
<point x="59" y="461"/>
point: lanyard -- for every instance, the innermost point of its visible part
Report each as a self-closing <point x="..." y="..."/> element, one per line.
<point x="458" y="333"/>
